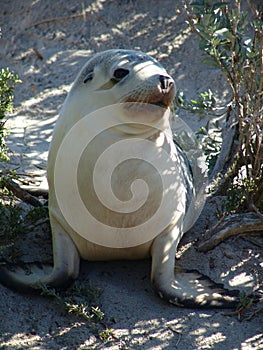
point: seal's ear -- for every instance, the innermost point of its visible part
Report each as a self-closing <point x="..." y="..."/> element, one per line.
<point x="87" y="72"/>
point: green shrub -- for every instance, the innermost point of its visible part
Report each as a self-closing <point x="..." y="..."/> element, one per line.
<point x="232" y="40"/>
<point x="8" y="80"/>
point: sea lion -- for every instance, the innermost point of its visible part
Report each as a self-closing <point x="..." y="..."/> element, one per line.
<point x="120" y="100"/>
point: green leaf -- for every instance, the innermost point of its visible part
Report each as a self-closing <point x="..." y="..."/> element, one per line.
<point x="205" y="20"/>
<point x="221" y="32"/>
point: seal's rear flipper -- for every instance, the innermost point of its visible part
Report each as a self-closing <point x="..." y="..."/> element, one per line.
<point x="194" y="290"/>
<point x="182" y="287"/>
<point x="28" y="278"/>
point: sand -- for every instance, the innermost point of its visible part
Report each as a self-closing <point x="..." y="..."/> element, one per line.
<point x="46" y="43"/>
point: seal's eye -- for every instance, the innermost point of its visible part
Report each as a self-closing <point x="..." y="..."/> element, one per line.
<point x="120" y="73"/>
<point x="88" y="77"/>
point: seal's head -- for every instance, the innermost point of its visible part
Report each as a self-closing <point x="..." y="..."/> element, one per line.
<point x="123" y="76"/>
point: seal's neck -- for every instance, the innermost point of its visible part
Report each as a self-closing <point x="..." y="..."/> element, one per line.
<point x="145" y="128"/>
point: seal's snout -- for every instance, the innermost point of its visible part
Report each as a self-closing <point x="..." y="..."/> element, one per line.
<point x="166" y="84"/>
<point x="165" y="91"/>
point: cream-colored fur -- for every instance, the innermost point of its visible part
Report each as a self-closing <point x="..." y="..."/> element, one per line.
<point x="94" y="89"/>
<point x="142" y="84"/>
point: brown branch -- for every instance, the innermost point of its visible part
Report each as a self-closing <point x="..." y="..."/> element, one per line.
<point x="37" y="53"/>
<point x="230" y="226"/>
<point x="258" y="196"/>
<point x="22" y="194"/>
<point x="36" y="191"/>
<point x="261" y="61"/>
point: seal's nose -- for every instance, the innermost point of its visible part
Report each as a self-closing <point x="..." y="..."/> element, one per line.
<point x="167" y="83"/>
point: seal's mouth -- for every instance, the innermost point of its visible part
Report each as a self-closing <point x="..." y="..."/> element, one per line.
<point x="160" y="104"/>
<point x="145" y="111"/>
<point x="151" y="106"/>
<point x="156" y="98"/>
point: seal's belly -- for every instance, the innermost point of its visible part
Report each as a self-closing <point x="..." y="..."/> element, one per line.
<point x="133" y="194"/>
<point x="131" y="189"/>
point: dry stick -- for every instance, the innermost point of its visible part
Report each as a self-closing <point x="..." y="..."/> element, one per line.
<point x="252" y="207"/>
<point x="261" y="62"/>
<point x="22" y="194"/>
<point x="230" y="226"/>
<point x="58" y="19"/>
<point x="258" y="197"/>
<point x="36" y="192"/>
<point x="37" y="223"/>
<point x="37" y="53"/>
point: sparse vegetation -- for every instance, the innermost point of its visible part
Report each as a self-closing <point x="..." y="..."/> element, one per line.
<point x="10" y="215"/>
<point x="8" y="80"/>
<point x="233" y="41"/>
<point x="204" y="105"/>
<point x="81" y="302"/>
<point x="51" y="27"/>
<point x="10" y="225"/>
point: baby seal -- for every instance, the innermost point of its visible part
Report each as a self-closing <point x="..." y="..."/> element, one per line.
<point x="120" y="101"/>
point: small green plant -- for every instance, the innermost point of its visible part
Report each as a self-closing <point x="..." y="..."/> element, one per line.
<point x="81" y="301"/>
<point x="14" y="222"/>
<point x="106" y="334"/>
<point x="8" y="80"/>
<point x="246" y="304"/>
<point x="233" y="41"/>
<point x="36" y="214"/>
<point x="202" y="105"/>
<point x="210" y="142"/>
<point x="10" y="215"/>
<point x="10" y="223"/>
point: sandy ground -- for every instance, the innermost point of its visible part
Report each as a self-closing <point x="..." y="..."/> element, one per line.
<point x="64" y="38"/>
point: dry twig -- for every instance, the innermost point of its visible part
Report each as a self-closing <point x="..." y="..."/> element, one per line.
<point x="65" y="18"/>
<point x="230" y="226"/>
<point x="22" y="194"/>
